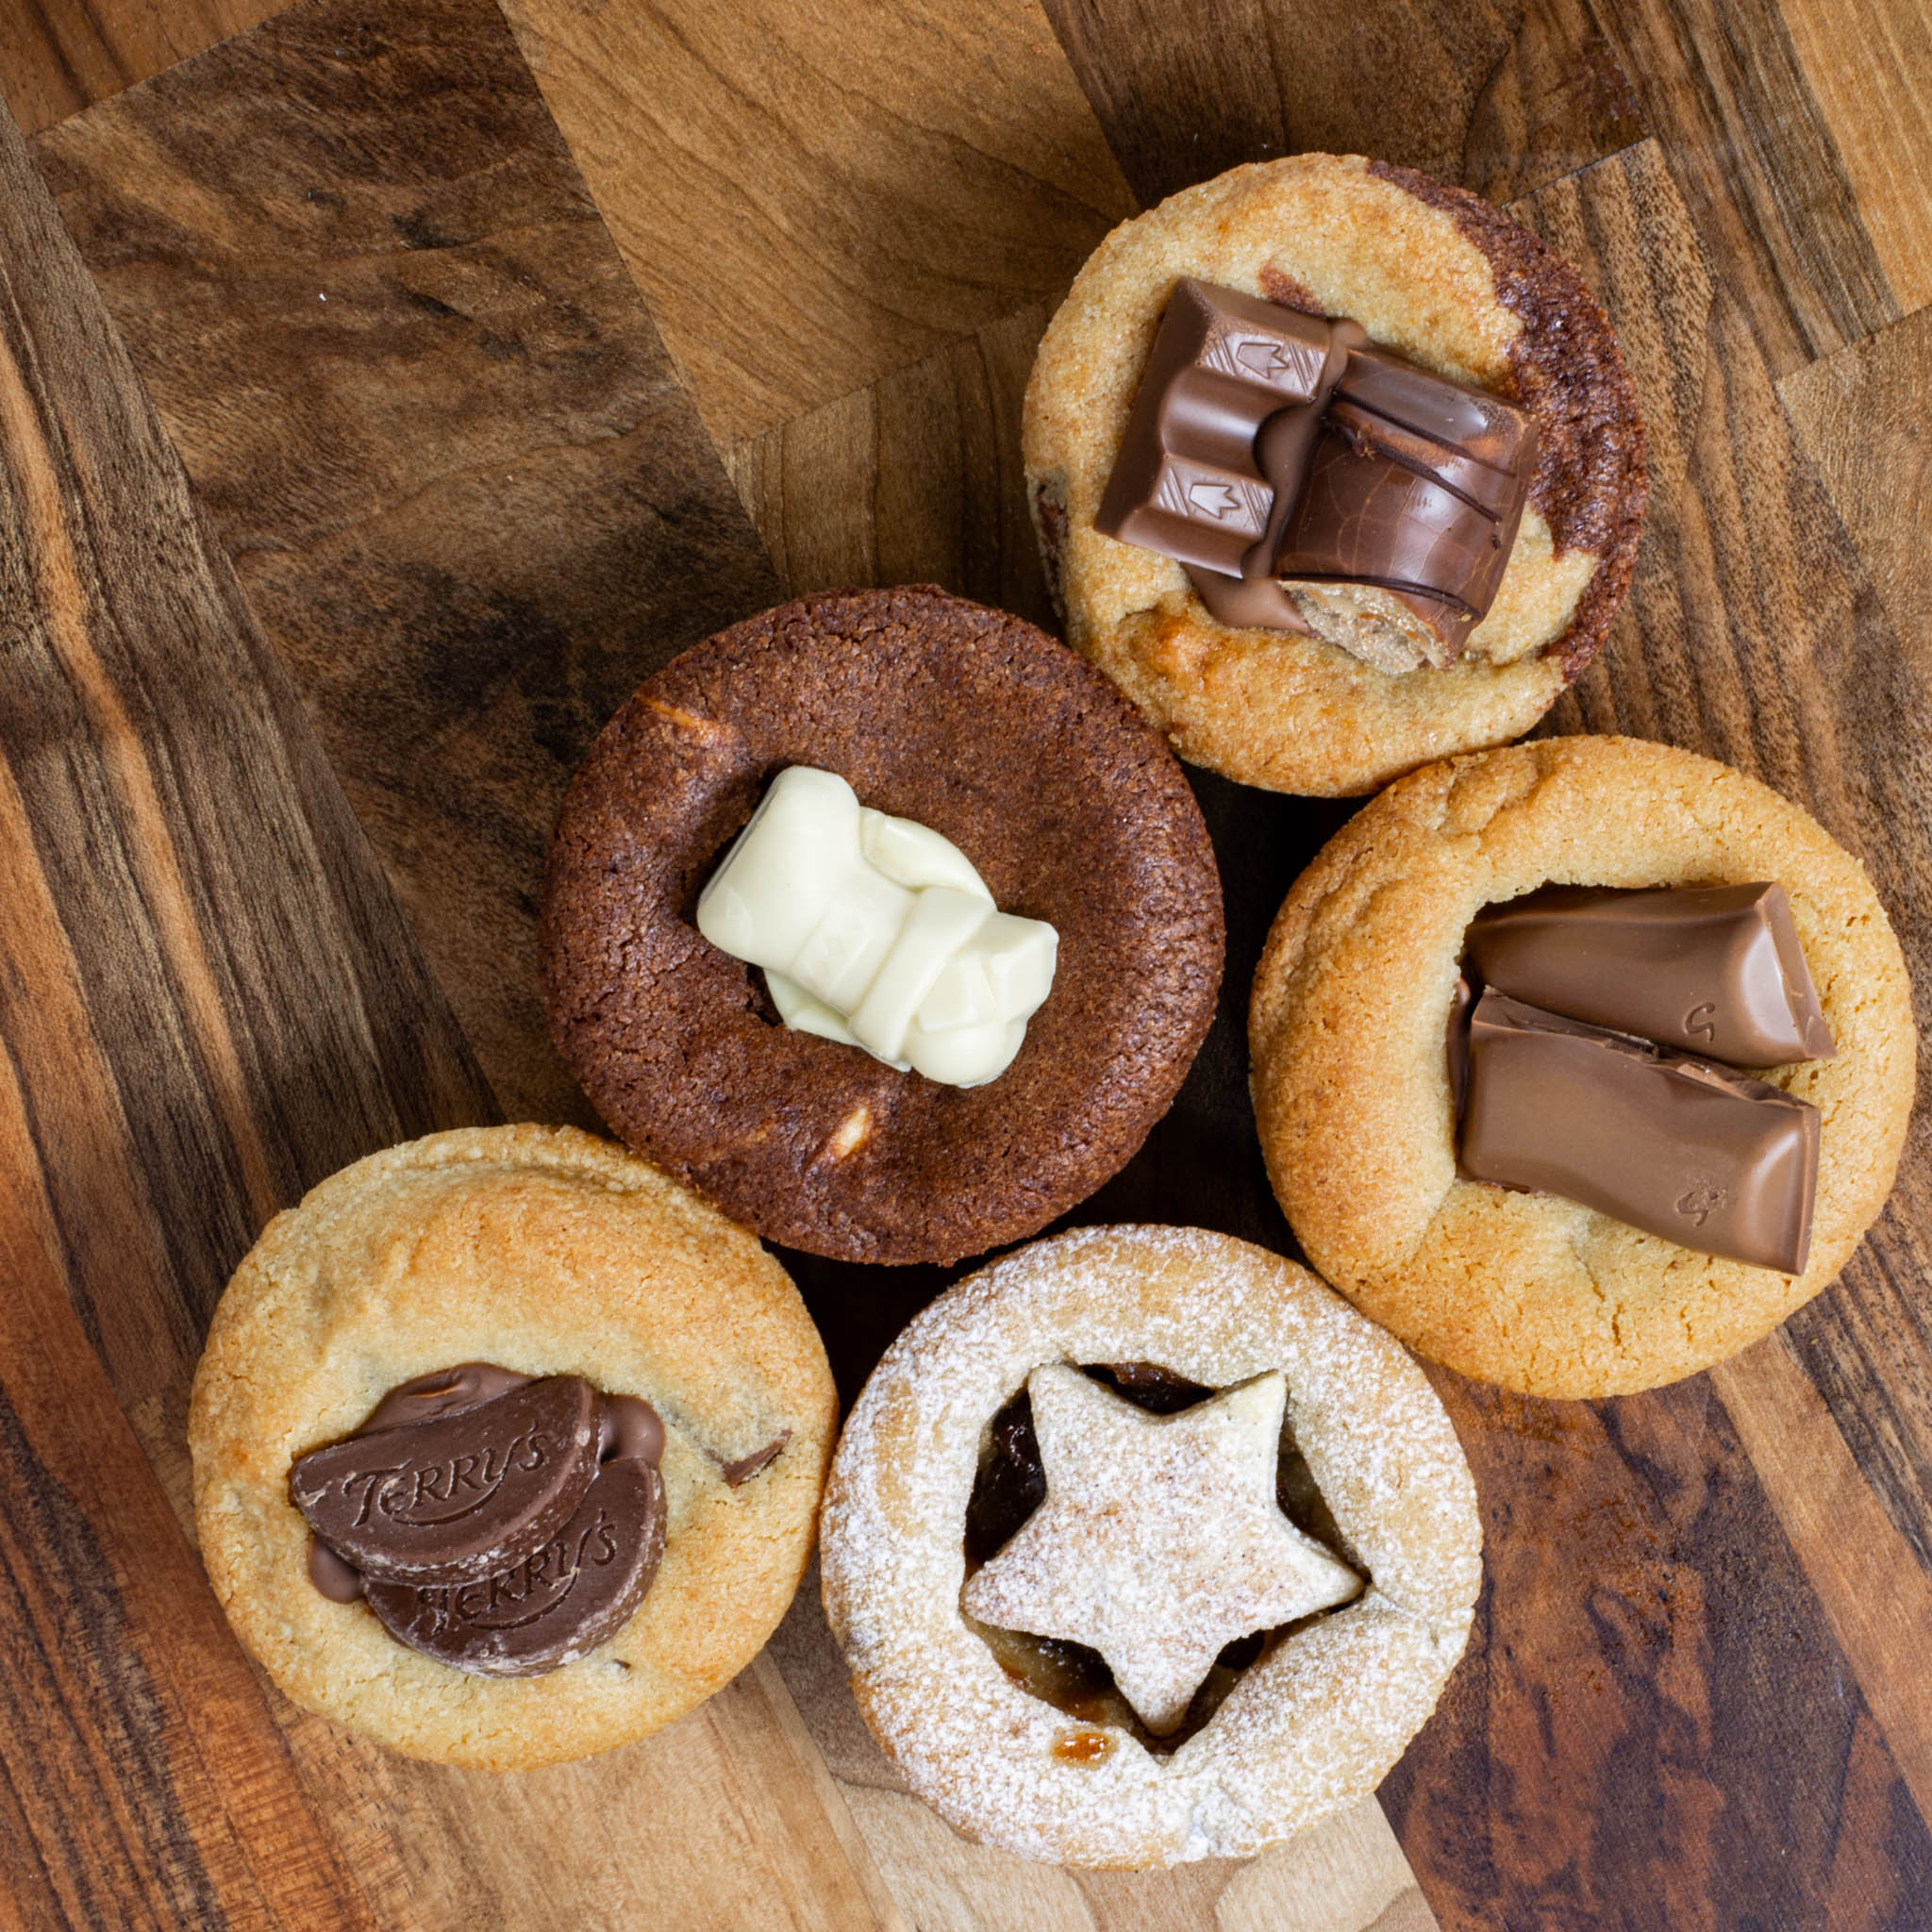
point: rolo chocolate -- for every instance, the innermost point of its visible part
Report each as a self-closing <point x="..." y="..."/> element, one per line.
<point x="431" y="1501"/>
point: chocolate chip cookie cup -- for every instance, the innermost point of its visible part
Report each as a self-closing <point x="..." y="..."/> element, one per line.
<point x="1521" y="1285"/>
<point x="1142" y="1547"/>
<point x="919" y="768"/>
<point x="1429" y="276"/>
<point x="508" y="1449"/>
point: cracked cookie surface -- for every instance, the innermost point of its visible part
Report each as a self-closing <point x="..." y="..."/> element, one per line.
<point x="985" y="730"/>
<point x="1350" y="1078"/>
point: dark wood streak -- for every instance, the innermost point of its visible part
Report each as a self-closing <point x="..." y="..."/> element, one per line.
<point x="1499" y="98"/>
<point x="210" y="999"/>
<point x="71" y="1661"/>
<point x="177" y="1066"/>
<point x="1647" y="1653"/>
<point x="1753" y="632"/>
<point x="486" y="509"/>
<point x="1722" y="87"/>
<point x="147" y="1780"/>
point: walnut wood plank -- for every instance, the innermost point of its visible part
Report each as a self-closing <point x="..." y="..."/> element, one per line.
<point x="55" y="60"/>
<point x="234" y="1006"/>
<point x="812" y="195"/>
<point x="1500" y="97"/>
<point x="142" y="1781"/>
<point x="916" y="478"/>
<point x="1723" y="88"/>
<point x="144" y="1778"/>
<point x="465" y="492"/>
<point x="1866" y="62"/>
<point x="1753" y="632"/>
<point x="1863" y="419"/>
<point x="1870" y="1581"/>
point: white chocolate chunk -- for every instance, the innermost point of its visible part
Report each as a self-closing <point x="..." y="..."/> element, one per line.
<point x="877" y="932"/>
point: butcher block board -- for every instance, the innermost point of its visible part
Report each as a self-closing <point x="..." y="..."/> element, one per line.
<point x="386" y="389"/>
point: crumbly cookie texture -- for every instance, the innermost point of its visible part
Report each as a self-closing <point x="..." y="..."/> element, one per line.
<point x="1350" y="1080"/>
<point x="1444" y="279"/>
<point x="1317" y="1722"/>
<point x="547" y="1251"/>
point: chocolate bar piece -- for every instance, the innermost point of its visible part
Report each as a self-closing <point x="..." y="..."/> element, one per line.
<point x="1187" y="481"/>
<point x="1711" y="969"/>
<point x="1415" y="485"/>
<point x="1265" y="444"/>
<point x="427" y="1501"/>
<point x="557" y="1601"/>
<point x="1676" y="1146"/>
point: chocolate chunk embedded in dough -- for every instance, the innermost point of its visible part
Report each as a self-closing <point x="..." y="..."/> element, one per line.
<point x="741" y="1472"/>
<point x="436" y="1500"/>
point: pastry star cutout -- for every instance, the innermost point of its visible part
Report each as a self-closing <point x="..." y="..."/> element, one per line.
<point x="1160" y="1541"/>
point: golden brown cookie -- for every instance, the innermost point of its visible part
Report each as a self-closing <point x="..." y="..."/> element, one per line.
<point x="1350" y="1084"/>
<point x="549" y="1251"/>
<point x="1443" y="278"/>
<point x="1015" y="1742"/>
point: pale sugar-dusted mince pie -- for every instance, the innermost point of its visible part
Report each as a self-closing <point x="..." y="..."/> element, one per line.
<point x="549" y="1254"/>
<point x="1438" y="276"/>
<point x="1068" y="1485"/>
<point x="1351" y="1082"/>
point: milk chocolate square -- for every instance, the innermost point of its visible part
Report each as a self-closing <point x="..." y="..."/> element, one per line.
<point x="1676" y="1146"/>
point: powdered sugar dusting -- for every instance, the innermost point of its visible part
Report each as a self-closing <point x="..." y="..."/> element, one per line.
<point x="1159" y="1542"/>
<point x="1318" y="1721"/>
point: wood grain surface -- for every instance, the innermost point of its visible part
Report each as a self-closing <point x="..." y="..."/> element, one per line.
<point x="814" y="192"/>
<point x="210" y="1001"/>
<point x="1696" y="1695"/>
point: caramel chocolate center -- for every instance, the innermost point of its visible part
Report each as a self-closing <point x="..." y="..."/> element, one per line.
<point x="1275" y="453"/>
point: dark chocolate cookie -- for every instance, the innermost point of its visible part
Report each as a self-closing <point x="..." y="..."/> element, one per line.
<point x="985" y="729"/>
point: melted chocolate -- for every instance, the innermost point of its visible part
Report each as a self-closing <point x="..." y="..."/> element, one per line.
<point x="563" y="1599"/>
<point x="1268" y="445"/>
<point x="442" y="1393"/>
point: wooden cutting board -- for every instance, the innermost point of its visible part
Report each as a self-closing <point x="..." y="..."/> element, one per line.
<point x="471" y="417"/>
